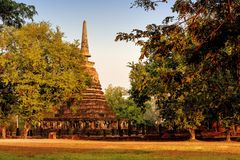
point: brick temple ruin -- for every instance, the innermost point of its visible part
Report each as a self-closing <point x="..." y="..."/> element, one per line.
<point x="93" y="116"/>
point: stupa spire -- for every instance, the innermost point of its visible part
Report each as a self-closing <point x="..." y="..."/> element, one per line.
<point x="84" y="45"/>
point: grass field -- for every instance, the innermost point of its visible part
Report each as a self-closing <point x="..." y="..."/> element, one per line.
<point x="44" y="149"/>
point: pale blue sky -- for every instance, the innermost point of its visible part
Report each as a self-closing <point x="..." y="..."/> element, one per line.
<point x="104" y="19"/>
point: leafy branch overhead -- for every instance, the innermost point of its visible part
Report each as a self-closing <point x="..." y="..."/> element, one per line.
<point x="214" y="15"/>
<point x="147" y="4"/>
<point x="15" y="14"/>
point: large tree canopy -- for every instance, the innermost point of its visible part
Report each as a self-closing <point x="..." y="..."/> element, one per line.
<point x="15" y="14"/>
<point x="192" y="62"/>
<point x="41" y="70"/>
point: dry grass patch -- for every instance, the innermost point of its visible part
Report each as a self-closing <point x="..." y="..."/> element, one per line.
<point x="136" y="150"/>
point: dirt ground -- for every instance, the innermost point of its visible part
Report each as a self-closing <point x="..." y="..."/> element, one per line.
<point x="46" y="146"/>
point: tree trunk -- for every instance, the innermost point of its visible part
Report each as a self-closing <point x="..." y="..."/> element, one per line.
<point x="228" y="136"/>
<point x="26" y="128"/>
<point x="143" y="129"/>
<point x="234" y="130"/>
<point x="192" y="134"/>
<point x="120" y="132"/>
<point x="160" y="130"/>
<point x="238" y="61"/>
<point x="4" y="132"/>
<point x="129" y="128"/>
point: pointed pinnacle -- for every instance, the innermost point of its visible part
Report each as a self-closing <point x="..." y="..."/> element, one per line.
<point x="84" y="45"/>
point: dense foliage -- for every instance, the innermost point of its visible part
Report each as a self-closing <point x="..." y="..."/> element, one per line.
<point x="191" y="63"/>
<point x="39" y="72"/>
<point x="122" y="105"/>
<point x="15" y="14"/>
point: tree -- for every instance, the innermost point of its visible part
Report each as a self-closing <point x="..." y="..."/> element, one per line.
<point x="177" y="108"/>
<point x="11" y="14"/>
<point x="15" y="14"/>
<point x="44" y="71"/>
<point x="7" y="105"/>
<point x="123" y="106"/>
<point x="139" y="79"/>
<point x="194" y="60"/>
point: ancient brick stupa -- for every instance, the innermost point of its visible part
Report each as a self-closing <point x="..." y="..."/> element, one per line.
<point x="93" y="104"/>
<point x="93" y="112"/>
